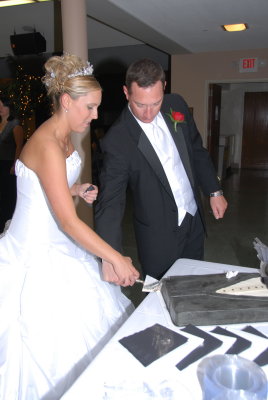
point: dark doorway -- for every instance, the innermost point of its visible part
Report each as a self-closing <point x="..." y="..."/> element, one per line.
<point x="255" y="131"/>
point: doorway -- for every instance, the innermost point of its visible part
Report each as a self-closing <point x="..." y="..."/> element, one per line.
<point x="255" y="131"/>
<point x="231" y="116"/>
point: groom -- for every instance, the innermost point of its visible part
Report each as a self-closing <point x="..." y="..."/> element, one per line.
<point x="155" y="149"/>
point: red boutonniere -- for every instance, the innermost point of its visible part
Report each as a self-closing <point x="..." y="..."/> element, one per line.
<point x="176" y="117"/>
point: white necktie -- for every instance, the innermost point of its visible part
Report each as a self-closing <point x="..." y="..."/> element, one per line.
<point x="161" y="141"/>
<point x="174" y="170"/>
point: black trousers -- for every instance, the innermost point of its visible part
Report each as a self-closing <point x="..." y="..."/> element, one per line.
<point x="191" y="237"/>
<point x="7" y="192"/>
<point x="187" y="242"/>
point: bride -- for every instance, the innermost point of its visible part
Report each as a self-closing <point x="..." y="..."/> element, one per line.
<point x="57" y="307"/>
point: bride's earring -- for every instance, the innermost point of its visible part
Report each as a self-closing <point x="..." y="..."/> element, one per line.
<point x="65" y="102"/>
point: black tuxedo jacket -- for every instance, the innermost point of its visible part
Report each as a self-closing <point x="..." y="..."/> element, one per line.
<point x="130" y="161"/>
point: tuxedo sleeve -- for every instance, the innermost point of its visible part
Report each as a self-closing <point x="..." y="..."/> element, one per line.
<point x="110" y="206"/>
<point x="202" y="165"/>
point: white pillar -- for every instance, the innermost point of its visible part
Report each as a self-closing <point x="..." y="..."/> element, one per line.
<point x="74" y="35"/>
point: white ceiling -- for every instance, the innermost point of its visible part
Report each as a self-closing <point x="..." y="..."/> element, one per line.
<point x="173" y="26"/>
<point x="194" y="26"/>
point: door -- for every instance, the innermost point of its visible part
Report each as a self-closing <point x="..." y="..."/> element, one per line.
<point x="214" y="111"/>
<point x="255" y="131"/>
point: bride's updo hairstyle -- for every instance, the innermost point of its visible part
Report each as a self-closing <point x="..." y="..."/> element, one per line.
<point x="68" y="74"/>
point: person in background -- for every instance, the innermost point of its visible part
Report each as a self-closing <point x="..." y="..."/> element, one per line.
<point x="11" y="143"/>
<point x="156" y="151"/>
<point x="58" y="307"/>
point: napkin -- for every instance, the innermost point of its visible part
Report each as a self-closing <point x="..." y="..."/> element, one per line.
<point x="209" y="344"/>
<point x="262" y="358"/>
<point x="152" y="343"/>
<point x="262" y="250"/>
<point x="241" y="344"/>
<point x="262" y="254"/>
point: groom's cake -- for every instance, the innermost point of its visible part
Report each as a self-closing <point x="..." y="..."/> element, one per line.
<point x="215" y="299"/>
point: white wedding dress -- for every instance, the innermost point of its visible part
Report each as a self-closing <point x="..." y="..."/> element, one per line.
<point x="55" y="311"/>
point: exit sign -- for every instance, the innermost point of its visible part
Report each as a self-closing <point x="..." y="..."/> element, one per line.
<point x="248" y="64"/>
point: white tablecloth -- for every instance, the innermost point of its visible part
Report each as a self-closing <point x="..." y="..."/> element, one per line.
<point x="116" y="374"/>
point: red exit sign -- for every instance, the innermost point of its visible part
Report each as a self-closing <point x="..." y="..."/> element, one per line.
<point x="248" y="64"/>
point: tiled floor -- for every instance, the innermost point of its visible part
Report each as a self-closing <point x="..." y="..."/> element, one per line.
<point x="229" y="240"/>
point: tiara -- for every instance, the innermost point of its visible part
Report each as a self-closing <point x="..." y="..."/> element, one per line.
<point x="88" y="70"/>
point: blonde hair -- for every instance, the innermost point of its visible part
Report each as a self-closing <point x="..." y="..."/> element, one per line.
<point x="63" y="76"/>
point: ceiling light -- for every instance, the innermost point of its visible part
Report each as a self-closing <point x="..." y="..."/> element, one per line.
<point x="6" y="3"/>
<point x="235" y="27"/>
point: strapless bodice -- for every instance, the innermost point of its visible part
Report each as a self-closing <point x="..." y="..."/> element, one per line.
<point x="33" y="221"/>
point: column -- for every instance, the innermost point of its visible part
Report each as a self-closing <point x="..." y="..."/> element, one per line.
<point x="74" y="35"/>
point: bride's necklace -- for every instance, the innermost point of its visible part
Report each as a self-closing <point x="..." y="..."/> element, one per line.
<point x="67" y="148"/>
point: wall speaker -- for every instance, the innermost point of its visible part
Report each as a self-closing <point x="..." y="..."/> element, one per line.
<point x="28" y="43"/>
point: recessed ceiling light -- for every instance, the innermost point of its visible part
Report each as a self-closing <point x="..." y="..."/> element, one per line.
<point x="235" y="27"/>
<point x="7" y="3"/>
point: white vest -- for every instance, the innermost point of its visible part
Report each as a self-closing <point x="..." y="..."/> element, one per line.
<point x="162" y="142"/>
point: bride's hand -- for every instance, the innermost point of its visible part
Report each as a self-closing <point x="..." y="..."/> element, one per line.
<point x="108" y="272"/>
<point x="122" y="272"/>
<point x="88" y="192"/>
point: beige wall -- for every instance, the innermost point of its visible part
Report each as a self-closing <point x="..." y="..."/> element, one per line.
<point x="191" y="74"/>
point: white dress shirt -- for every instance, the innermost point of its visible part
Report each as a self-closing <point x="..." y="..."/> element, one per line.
<point x="160" y="138"/>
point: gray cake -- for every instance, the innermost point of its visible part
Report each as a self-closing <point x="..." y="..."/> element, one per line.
<point x="192" y="299"/>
